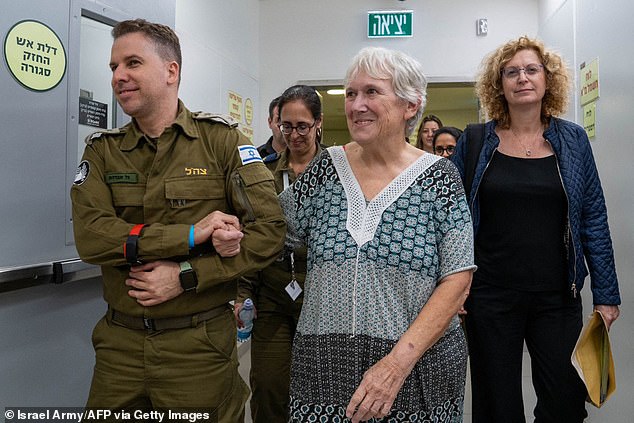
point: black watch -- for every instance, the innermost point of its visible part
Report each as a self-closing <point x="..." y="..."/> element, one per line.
<point x="187" y="276"/>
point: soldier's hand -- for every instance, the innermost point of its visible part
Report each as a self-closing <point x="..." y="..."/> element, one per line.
<point x="227" y="242"/>
<point x="154" y="283"/>
<point x="204" y="228"/>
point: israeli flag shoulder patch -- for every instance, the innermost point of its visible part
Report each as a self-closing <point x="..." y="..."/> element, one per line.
<point x="249" y="154"/>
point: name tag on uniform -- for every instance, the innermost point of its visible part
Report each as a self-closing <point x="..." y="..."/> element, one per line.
<point x="293" y="289"/>
<point x="122" y="178"/>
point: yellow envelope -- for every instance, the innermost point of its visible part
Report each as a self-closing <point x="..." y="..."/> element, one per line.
<point x="592" y="357"/>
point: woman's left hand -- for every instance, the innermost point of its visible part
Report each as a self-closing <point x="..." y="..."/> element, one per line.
<point x="378" y="389"/>
<point x="609" y="312"/>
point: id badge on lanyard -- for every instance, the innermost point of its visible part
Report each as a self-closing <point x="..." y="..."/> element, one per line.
<point x="292" y="289"/>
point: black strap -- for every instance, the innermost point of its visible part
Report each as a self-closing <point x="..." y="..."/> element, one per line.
<point x="130" y="247"/>
<point x="475" y="140"/>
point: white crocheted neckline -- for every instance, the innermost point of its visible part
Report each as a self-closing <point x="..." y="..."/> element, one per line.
<point x="364" y="216"/>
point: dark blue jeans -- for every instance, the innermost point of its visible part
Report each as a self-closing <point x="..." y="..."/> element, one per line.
<point x="498" y="322"/>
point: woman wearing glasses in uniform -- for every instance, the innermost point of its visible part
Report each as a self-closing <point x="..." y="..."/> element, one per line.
<point x="445" y="140"/>
<point x="277" y="290"/>
<point x="540" y="223"/>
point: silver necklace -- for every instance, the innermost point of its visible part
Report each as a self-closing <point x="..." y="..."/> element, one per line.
<point x="526" y="150"/>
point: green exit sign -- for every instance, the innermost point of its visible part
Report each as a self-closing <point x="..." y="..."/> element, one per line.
<point x="390" y="23"/>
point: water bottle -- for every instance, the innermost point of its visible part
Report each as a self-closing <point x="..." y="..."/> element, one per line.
<point x="246" y="315"/>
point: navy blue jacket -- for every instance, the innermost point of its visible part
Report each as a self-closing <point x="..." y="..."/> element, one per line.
<point x="591" y="245"/>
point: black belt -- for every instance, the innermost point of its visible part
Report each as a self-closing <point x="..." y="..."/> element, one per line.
<point x="133" y="322"/>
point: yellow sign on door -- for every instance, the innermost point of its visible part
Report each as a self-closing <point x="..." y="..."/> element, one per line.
<point x="35" y="55"/>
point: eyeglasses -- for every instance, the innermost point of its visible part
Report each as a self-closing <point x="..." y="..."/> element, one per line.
<point x="302" y="128"/>
<point x="441" y="150"/>
<point x="513" y="72"/>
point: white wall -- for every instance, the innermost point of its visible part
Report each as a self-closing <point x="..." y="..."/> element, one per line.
<point x="220" y="54"/>
<point x="315" y="40"/>
<point x="585" y="30"/>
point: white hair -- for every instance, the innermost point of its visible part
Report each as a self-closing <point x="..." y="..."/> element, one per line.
<point x="406" y="73"/>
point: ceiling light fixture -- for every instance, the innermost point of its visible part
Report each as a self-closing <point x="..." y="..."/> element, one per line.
<point x="338" y="91"/>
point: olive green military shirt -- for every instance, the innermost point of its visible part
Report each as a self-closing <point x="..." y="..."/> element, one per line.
<point x="268" y="287"/>
<point x="194" y="168"/>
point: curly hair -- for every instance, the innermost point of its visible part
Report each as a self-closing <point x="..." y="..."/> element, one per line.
<point x="489" y="89"/>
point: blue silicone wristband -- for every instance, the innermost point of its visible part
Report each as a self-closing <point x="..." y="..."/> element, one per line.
<point x="191" y="237"/>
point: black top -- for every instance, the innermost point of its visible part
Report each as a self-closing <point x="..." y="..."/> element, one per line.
<point x="520" y="241"/>
<point x="266" y="148"/>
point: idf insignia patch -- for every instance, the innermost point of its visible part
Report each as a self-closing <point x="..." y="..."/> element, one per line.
<point x="249" y="154"/>
<point x="83" y="169"/>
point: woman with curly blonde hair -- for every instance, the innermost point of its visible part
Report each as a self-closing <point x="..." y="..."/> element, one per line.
<point x="489" y="86"/>
<point x="540" y="227"/>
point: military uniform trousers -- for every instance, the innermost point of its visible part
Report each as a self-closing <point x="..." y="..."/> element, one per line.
<point x="271" y="344"/>
<point x="194" y="368"/>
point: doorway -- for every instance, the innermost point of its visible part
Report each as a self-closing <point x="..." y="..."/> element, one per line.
<point x="454" y="103"/>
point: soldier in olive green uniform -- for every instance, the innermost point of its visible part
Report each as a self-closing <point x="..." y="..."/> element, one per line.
<point x="277" y="290"/>
<point x="147" y="202"/>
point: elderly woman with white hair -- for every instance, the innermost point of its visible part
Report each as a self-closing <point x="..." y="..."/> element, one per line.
<point x="390" y="259"/>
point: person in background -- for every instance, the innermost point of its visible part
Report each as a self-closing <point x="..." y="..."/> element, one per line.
<point x="444" y="140"/>
<point x="148" y="200"/>
<point x="275" y="143"/>
<point x="278" y="290"/>
<point x="428" y="126"/>
<point x="389" y="243"/>
<point x="540" y="224"/>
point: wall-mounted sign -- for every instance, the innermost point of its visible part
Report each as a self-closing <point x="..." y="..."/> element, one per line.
<point x="235" y="106"/>
<point x="35" y="55"/>
<point x="390" y="23"/>
<point x="590" y="118"/>
<point x="248" y="111"/>
<point x="93" y="113"/>
<point x="589" y="81"/>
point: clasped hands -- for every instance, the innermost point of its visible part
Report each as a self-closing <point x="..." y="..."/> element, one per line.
<point x="156" y="282"/>
<point x="223" y="229"/>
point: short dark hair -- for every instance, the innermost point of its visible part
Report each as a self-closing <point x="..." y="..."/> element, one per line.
<point x="306" y="95"/>
<point x="272" y="105"/>
<point x="453" y="131"/>
<point x="164" y="38"/>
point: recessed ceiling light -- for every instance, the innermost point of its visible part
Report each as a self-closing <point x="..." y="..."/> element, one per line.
<point x="339" y="91"/>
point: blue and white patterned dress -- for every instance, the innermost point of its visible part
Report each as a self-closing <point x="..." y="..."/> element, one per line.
<point x="372" y="266"/>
